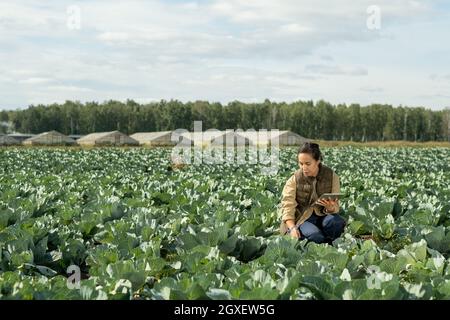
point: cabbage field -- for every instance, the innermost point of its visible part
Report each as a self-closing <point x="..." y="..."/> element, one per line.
<point x="130" y="226"/>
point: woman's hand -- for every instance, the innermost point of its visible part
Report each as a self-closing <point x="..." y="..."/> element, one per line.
<point x="295" y="233"/>
<point x="329" y="204"/>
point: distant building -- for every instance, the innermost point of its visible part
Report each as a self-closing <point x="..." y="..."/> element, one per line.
<point x="6" y="140"/>
<point x="215" y="138"/>
<point x="21" y="136"/>
<point x="281" y="137"/>
<point x="50" y="138"/>
<point x="160" y="138"/>
<point x="75" y="136"/>
<point x="112" y="138"/>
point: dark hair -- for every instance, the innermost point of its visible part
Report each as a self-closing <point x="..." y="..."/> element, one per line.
<point x="313" y="149"/>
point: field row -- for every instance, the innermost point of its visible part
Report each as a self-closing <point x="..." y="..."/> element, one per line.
<point x="137" y="228"/>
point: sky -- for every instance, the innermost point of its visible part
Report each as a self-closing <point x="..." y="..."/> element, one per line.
<point x="379" y="51"/>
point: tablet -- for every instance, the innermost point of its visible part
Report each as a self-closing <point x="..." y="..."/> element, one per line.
<point x="333" y="196"/>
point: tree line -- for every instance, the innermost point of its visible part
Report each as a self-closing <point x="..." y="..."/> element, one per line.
<point x="319" y="120"/>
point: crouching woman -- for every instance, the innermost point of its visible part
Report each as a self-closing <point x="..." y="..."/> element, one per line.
<point x="303" y="215"/>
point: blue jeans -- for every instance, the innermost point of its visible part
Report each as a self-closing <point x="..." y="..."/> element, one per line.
<point x="322" y="229"/>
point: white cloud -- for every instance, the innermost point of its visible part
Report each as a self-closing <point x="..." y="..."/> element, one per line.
<point x="113" y="36"/>
<point x="33" y="81"/>
<point x="69" y="88"/>
<point x="30" y="18"/>
<point x="323" y="69"/>
<point x="440" y="77"/>
<point x="266" y="11"/>
<point x="219" y="50"/>
<point x="294" y="28"/>
<point x="372" y="89"/>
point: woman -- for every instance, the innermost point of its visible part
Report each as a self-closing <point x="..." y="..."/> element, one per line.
<point x="303" y="215"/>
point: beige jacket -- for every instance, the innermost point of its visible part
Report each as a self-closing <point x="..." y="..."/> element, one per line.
<point x="289" y="204"/>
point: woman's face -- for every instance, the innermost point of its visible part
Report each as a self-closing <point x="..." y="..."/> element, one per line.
<point x="308" y="164"/>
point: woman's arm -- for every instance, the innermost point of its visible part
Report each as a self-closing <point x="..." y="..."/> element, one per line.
<point x="288" y="202"/>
